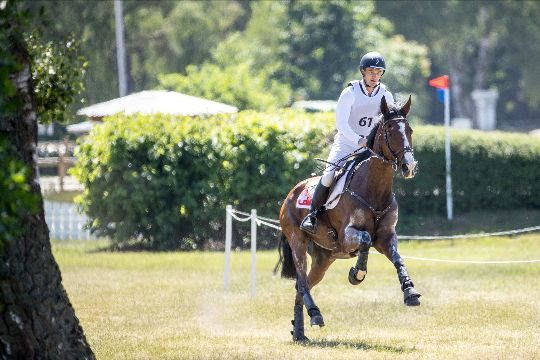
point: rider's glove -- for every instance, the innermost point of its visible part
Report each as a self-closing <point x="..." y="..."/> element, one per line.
<point x="362" y="141"/>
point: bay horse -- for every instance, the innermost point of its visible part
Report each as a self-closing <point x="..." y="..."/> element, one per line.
<point x="365" y="216"/>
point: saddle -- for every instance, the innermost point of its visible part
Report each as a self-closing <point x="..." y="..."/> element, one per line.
<point x="341" y="177"/>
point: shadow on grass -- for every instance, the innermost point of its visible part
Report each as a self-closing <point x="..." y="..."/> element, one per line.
<point x="359" y="345"/>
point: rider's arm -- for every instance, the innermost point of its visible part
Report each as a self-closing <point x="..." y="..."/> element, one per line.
<point x="343" y="111"/>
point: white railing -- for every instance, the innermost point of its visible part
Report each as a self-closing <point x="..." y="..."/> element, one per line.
<point x="65" y="222"/>
<point x="230" y="214"/>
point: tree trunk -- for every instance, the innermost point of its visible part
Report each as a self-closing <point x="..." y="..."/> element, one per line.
<point x="37" y="320"/>
<point x="486" y="45"/>
<point x="456" y="87"/>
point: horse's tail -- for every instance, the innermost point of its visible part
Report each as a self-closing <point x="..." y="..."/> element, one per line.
<point x="288" y="270"/>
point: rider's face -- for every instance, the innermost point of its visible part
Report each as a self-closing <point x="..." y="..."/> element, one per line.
<point x="372" y="76"/>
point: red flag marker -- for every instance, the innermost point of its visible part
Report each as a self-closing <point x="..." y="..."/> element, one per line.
<point x="441" y="82"/>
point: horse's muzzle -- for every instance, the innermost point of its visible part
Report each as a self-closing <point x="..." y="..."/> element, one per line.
<point x="409" y="169"/>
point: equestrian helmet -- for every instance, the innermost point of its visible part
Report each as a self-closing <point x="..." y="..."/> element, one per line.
<point x="373" y="60"/>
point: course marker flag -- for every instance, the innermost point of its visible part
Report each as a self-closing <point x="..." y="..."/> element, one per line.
<point x="441" y="82"/>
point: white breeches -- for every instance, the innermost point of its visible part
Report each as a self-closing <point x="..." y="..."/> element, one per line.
<point x="338" y="152"/>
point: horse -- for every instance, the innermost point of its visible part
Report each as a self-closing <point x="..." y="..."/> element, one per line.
<point x="365" y="216"/>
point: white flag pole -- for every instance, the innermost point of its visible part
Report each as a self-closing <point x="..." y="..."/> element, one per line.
<point x="449" y="200"/>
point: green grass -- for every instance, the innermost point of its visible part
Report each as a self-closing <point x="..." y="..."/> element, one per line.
<point x="138" y="305"/>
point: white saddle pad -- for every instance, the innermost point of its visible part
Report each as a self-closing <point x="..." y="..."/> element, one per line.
<point x="304" y="199"/>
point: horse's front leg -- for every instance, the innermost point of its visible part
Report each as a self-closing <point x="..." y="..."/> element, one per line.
<point x="410" y="295"/>
<point x="361" y="240"/>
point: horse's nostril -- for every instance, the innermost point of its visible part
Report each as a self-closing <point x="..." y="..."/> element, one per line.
<point x="405" y="168"/>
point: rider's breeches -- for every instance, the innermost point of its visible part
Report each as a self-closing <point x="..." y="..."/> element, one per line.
<point x="339" y="151"/>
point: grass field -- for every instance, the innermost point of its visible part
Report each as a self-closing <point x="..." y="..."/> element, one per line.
<point x="173" y="306"/>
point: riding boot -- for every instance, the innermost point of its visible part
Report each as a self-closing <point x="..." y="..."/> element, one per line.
<point x="309" y="224"/>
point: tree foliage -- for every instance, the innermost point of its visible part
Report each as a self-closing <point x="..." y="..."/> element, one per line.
<point x="17" y="201"/>
<point x="481" y="44"/>
<point x="239" y="85"/>
<point x="57" y="73"/>
<point x="313" y="47"/>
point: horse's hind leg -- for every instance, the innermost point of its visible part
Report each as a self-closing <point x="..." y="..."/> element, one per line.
<point x="298" y="321"/>
<point x="299" y="251"/>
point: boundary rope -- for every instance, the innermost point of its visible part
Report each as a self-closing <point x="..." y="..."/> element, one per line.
<point x="272" y="223"/>
<point x="404" y="237"/>
<point x="465" y="261"/>
<point x="465" y="236"/>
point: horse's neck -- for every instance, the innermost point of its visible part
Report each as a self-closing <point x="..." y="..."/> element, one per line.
<point x="375" y="183"/>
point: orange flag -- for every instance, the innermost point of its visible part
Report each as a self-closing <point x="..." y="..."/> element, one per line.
<point x="441" y="82"/>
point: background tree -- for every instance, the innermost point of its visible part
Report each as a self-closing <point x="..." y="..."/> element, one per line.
<point x="161" y="37"/>
<point x="37" y="320"/>
<point x="243" y="68"/>
<point x="314" y="46"/>
<point x="480" y="45"/>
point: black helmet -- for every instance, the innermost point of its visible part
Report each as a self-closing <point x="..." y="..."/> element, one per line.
<point x="373" y="60"/>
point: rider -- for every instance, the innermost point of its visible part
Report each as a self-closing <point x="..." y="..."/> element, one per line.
<point x="356" y="114"/>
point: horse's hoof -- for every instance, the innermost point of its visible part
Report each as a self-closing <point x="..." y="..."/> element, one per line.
<point x="353" y="273"/>
<point x="317" y="320"/>
<point x="300" y="339"/>
<point x="411" y="297"/>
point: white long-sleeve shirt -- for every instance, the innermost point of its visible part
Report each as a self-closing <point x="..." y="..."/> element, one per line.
<point x="357" y="113"/>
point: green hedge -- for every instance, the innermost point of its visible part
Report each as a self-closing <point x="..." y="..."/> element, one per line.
<point x="490" y="170"/>
<point x="164" y="182"/>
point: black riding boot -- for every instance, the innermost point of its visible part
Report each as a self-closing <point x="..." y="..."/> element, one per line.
<point x="309" y="224"/>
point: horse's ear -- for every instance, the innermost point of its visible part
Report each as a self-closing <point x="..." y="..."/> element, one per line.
<point x="407" y="107"/>
<point x="384" y="108"/>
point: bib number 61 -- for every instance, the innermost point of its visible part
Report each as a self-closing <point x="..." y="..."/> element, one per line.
<point x="365" y="121"/>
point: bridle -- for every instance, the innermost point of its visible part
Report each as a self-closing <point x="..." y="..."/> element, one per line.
<point x="397" y="157"/>
<point x="395" y="162"/>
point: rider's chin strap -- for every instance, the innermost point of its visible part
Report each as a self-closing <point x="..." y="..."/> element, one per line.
<point x="366" y="85"/>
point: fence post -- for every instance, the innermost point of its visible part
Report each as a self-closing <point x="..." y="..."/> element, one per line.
<point x="253" y="251"/>
<point x="228" y="241"/>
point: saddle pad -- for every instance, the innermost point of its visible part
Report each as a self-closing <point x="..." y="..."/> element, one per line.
<point x="304" y="199"/>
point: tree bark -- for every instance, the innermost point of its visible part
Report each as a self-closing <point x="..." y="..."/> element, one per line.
<point x="37" y="320"/>
<point x="456" y="87"/>
<point x="486" y="45"/>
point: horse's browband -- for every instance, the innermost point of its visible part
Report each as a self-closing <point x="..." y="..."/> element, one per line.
<point x="396" y="120"/>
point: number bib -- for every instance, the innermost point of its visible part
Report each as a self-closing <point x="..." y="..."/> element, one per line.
<point x="365" y="109"/>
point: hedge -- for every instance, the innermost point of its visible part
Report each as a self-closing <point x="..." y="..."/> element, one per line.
<point x="163" y="181"/>
<point x="490" y="170"/>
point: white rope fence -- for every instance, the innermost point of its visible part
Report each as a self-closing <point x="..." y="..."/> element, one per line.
<point x="470" y="236"/>
<point x="272" y="223"/>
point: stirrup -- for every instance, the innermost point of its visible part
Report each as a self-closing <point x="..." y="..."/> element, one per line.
<point x="309" y="224"/>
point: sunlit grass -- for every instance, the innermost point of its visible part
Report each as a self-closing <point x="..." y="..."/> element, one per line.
<point x="139" y="305"/>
